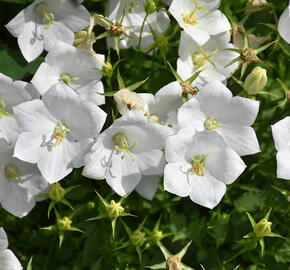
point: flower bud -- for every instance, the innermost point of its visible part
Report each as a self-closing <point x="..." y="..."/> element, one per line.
<point x="259" y="3"/>
<point x="91" y="205"/>
<point x="174" y="263"/>
<point x="150" y="7"/>
<point x="56" y="192"/>
<point x="158" y="235"/>
<point x="114" y="209"/>
<point x="138" y="238"/>
<point x="64" y="223"/>
<point x="256" y="81"/>
<point x="263" y="228"/>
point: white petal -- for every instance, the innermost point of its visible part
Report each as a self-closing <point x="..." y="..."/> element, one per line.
<point x="150" y="162"/>
<point x="200" y="36"/>
<point x="283" y="25"/>
<point x="283" y="161"/>
<point x="175" y="179"/>
<point x="9" y="261"/>
<point x="30" y="41"/>
<point x="281" y="133"/>
<point x="241" y="138"/>
<point x="16" y="25"/>
<point x="148" y="186"/>
<point x="91" y="92"/>
<point x="206" y="190"/>
<point x="3" y="239"/>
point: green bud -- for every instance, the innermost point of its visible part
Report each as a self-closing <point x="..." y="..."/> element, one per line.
<point x="138" y="238"/>
<point x="64" y="223"/>
<point x="158" y="235"/>
<point x="56" y="192"/>
<point x="90" y="205"/>
<point x="150" y="7"/>
<point x="256" y="81"/>
<point x="263" y="228"/>
<point x="114" y="209"/>
<point x="162" y="41"/>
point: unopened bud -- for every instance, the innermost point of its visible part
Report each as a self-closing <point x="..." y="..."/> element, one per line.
<point x="56" y="192"/>
<point x="259" y="3"/>
<point x="256" y="81"/>
<point x="263" y="228"/>
<point x="64" y="223"/>
<point x="91" y="205"/>
<point x="161" y="41"/>
<point x="138" y="238"/>
<point x="158" y="235"/>
<point x="173" y="263"/>
<point x="126" y="100"/>
<point x="117" y="30"/>
<point x="114" y="209"/>
<point x="150" y="7"/>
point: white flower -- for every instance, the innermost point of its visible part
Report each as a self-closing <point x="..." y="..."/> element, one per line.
<point x="281" y="134"/>
<point x="75" y="68"/>
<point x="148" y="185"/>
<point x="20" y="182"/>
<point x="199" y="18"/>
<point x="12" y="93"/>
<point x="45" y="22"/>
<point x="163" y="106"/>
<point x="211" y="58"/>
<point x="284" y="24"/>
<point x="134" y="17"/>
<point x="56" y="131"/>
<point x="200" y="166"/>
<point x="8" y="260"/>
<point x="215" y="109"/>
<point x="124" y="152"/>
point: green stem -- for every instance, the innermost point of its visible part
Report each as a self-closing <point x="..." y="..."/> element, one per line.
<point x="141" y="31"/>
<point x="49" y="252"/>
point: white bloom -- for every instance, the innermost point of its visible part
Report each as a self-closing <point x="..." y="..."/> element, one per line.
<point x="215" y="109"/>
<point x="163" y="106"/>
<point x="45" y="22"/>
<point x="12" y="93"/>
<point x="199" y="18"/>
<point x="134" y="16"/>
<point x="75" y="68"/>
<point x="211" y="58"/>
<point x="148" y="185"/>
<point x="200" y="166"/>
<point x="56" y="131"/>
<point x="124" y="152"/>
<point x="20" y="182"/>
<point x="281" y="134"/>
<point x="284" y="24"/>
<point x="8" y="260"/>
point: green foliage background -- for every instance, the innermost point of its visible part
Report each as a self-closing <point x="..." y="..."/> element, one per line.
<point x="217" y="235"/>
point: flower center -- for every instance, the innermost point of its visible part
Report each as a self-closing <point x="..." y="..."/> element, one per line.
<point x="117" y="29"/>
<point x="120" y="140"/>
<point x="199" y="59"/>
<point x="67" y="79"/>
<point x="187" y="89"/>
<point x="60" y="133"/>
<point x="132" y="6"/>
<point x="198" y="164"/>
<point x="189" y="18"/>
<point x="44" y="15"/>
<point x="211" y="123"/>
<point x="13" y="173"/>
<point x="2" y="110"/>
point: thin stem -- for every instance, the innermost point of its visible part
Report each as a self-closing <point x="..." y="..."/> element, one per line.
<point x="141" y="31"/>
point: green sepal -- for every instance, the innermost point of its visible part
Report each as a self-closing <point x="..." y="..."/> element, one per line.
<point x="105" y="203"/>
<point x="104" y="35"/>
<point x="233" y="61"/>
<point x="50" y="207"/>
<point x="264" y="47"/>
<point x="164" y="250"/>
<point x="158" y="266"/>
<point x="113" y="225"/>
<point x="108" y="94"/>
<point x="175" y="74"/>
<point x="117" y="44"/>
<point x="29" y="265"/>
<point x="193" y="77"/>
<point x="253" y="222"/>
<point x="262" y="244"/>
<point x="136" y="85"/>
<point x="272" y="234"/>
<point x="121" y="18"/>
<point x="101" y="216"/>
<point x="182" y="252"/>
<point x="120" y="80"/>
<point x="103" y="19"/>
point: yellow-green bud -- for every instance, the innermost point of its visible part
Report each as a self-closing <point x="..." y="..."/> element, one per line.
<point x="263" y="228"/>
<point x="162" y="41"/>
<point x="173" y="263"/>
<point x="90" y="205"/>
<point x="138" y="238"/>
<point x="150" y="7"/>
<point x="256" y="81"/>
<point x="56" y="192"/>
<point x="158" y="235"/>
<point x="114" y="209"/>
<point x="64" y="223"/>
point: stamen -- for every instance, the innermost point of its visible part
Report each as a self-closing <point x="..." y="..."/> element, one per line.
<point x="67" y="79"/>
<point x="2" y="110"/>
<point x="189" y="19"/>
<point x="60" y="133"/>
<point x="120" y="140"/>
<point x="198" y="164"/>
<point x="13" y="173"/>
<point x="211" y="123"/>
<point x="43" y="14"/>
<point x="200" y="59"/>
